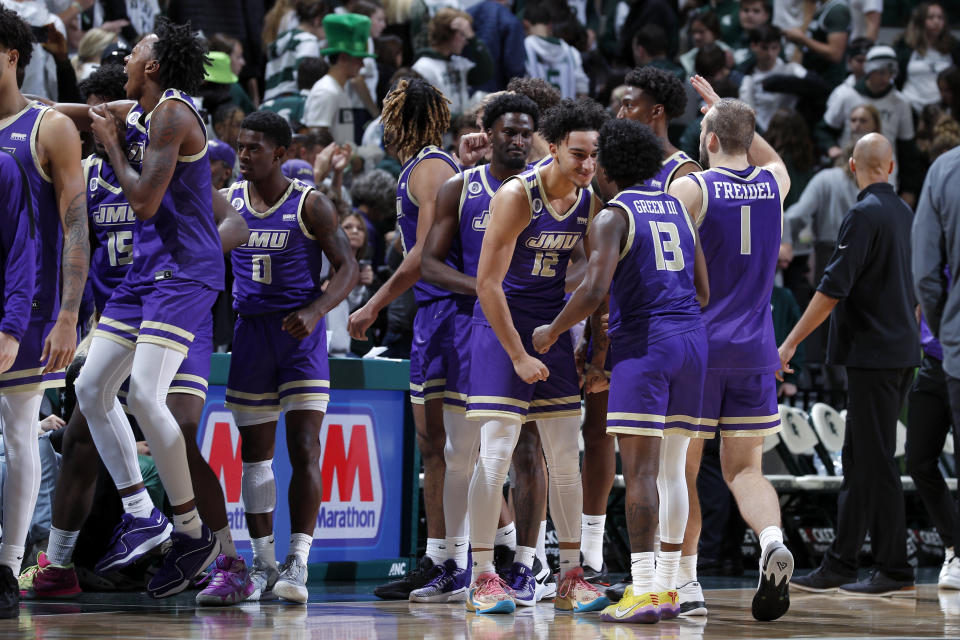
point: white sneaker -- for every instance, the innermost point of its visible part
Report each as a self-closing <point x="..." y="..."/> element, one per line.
<point x="546" y="584"/>
<point x="691" y="600"/>
<point x="291" y="585"/>
<point x="950" y="573"/>
<point x="263" y="577"/>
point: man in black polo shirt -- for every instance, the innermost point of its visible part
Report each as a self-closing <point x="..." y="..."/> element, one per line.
<point x="874" y="333"/>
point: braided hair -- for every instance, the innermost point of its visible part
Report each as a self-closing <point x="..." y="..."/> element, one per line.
<point x="415" y="114"/>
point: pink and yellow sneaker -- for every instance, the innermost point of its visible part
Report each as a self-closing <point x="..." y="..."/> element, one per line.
<point x="577" y="595"/>
<point x="490" y="594"/>
<point x="48" y="580"/>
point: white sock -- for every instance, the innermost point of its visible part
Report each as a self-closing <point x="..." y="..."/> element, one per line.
<point x="227" y="547"/>
<point x="641" y="572"/>
<point x="591" y="540"/>
<point x="263" y="550"/>
<point x="542" y="544"/>
<point x="569" y="559"/>
<point x="60" y="546"/>
<point x="11" y="556"/>
<point x="300" y="544"/>
<point x="457" y="549"/>
<point x="767" y="537"/>
<point x="188" y="523"/>
<point x="688" y="570"/>
<point x="525" y="556"/>
<point x="482" y="563"/>
<point x="138" y="504"/>
<point x="506" y="536"/>
<point x="668" y="565"/>
<point x="436" y="550"/>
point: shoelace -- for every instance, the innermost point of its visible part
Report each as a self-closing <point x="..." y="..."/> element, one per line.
<point x="489" y="584"/>
<point x="570" y="583"/>
<point x="216" y="578"/>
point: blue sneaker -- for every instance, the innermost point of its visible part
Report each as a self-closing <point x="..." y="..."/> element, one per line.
<point x="448" y="583"/>
<point x="185" y="558"/>
<point x="132" y="538"/>
<point x="524" y="585"/>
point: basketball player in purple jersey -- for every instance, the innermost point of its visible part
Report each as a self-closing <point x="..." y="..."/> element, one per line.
<point x="738" y="206"/>
<point x="415" y="117"/>
<point x="148" y="325"/>
<point x="462" y="212"/>
<point x="48" y="148"/>
<point x="536" y="219"/>
<point x="644" y="244"/>
<point x="112" y="224"/>
<point x="281" y="327"/>
<point x="653" y="97"/>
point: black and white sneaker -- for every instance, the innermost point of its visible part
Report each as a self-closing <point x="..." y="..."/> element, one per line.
<point x="615" y="592"/>
<point x="692" y="602"/>
<point x="596" y="576"/>
<point x="546" y="583"/>
<point x="772" y="598"/>
<point x="416" y="578"/>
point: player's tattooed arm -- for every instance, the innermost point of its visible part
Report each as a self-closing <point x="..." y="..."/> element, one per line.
<point x="323" y="223"/>
<point x="437" y="245"/>
<point x="172" y="126"/>
<point x="61" y="143"/>
<point x="605" y="242"/>
<point x="231" y="225"/>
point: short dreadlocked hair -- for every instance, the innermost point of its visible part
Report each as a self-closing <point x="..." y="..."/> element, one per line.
<point x="182" y="56"/>
<point x="273" y="127"/>
<point x="415" y="114"/>
<point x="662" y="86"/>
<point x="538" y="90"/>
<point x="16" y="34"/>
<point x="582" y="114"/>
<point x="629" y="151"/>
<point x="509" y="103"/>
<point x="106" y="82"/>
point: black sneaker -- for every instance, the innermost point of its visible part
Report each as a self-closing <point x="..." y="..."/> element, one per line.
<point x="596" y="576"/>
<point x="9" y="593"/>
<point x="416" y="578"/>
<point x="615" y="592"/>
<point x="772" y="598"/>
<point x="821" y="580"/>
<point x="879" y="584"/>
<point x="503" y="557"/>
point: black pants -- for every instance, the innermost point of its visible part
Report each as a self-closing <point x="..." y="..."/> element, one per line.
<point x="871" y="496"/>
<point x="953" y="391"/>
<point x="928" y="423"/>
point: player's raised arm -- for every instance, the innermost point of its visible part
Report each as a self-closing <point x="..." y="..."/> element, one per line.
<point x="509" y="216"/>
<point x="440" y="237"/>
<point x="59" y="138"/>
<point x="608" y="234"/>
<point x="323" y="223"/>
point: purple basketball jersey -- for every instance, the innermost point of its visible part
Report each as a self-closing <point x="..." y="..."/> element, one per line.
<point x="408" y="213"/>
<point x="668" y="168"/>
<point x="534" y="282"/>
<point x="112" y="223"/>
<point x="135" y="138"/>
<point x="181" y="239"/>
<point x="479" y="185"/>
<point x="653" y="294"/>
<point x="278" y="268"/>
<point x="19" y="137"/>
<point x="740" y="225"/>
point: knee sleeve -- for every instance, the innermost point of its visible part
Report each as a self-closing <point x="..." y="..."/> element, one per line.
<point x="250" y="418"/>
<point x="304" y="405"/>
<point x="19" y="411"/>
<point x="672" y="486"/>
<point x="258" y="490"/>
<point x="561" y="447"/>
<point x="460" y="454"/>
<point x="497" y="441"/>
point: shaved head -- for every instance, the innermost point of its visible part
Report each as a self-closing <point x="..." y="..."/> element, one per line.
<point x="873" y="153"/>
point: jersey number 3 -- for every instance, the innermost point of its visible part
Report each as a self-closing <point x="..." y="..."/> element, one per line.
<point x="662" y="248"/>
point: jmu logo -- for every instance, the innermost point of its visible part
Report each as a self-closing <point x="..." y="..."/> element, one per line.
<point x="553" y="241"/>
<point x="114" y="214"/>
<point x="481" y="221"/>
<point x="268" y="239"/>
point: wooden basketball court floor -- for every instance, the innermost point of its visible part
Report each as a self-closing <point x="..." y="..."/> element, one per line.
<point x="347" y="612"/>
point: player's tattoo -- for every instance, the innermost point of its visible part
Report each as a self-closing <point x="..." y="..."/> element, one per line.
<point x="641" y="517"/>
<point x="76" y="252"/>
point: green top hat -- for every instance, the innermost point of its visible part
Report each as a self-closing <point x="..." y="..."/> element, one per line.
<point x="218" y="68"/>
<point x="347" y="33"/>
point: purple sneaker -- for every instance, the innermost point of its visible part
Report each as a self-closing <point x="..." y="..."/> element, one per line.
<point x="524" y="584"/>
<point x="185" y="558"/>
<point x="132" y="538"/>
<point x="448" y="583"/>
<point x="229" y="582"/>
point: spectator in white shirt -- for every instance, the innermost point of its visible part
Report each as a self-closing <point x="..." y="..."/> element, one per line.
<point x="765" y="46"/>
<point x="925" y="49"/>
